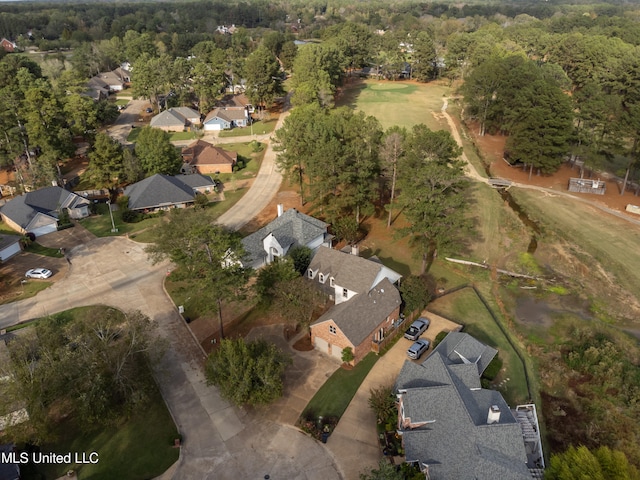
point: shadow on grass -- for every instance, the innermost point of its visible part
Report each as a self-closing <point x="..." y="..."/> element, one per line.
<point x="334" y="396"/>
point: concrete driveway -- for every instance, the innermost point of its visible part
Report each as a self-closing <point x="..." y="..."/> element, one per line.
<point x="220" y="441"/>
<point x="354" y="442"/>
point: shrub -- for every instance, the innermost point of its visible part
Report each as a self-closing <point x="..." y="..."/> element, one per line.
<point x="493" y="368"/>
<point x="347" y="355"/>
<point x="439" y="338"/>
<point x="129" y="216"/>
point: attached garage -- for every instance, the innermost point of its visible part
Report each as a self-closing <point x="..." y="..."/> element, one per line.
<point x="336" y="351"/>
<point x="9" y="246"/>
<point x="321" y="344"/>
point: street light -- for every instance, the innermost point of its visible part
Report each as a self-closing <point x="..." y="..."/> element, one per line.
<point x="113" y="225"/>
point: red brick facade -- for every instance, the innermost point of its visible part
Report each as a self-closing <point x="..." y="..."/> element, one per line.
<point x="324" y="332"/>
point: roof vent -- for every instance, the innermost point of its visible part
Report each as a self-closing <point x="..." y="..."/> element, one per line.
<point x="494" y="415"/>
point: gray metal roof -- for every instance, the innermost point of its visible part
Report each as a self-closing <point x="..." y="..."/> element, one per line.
<point x="159" y="191"/>
<point x="290" y="229"/>
<point x="349" y="271"/>
<point x="362" y="314"/>
<point x="47" y="201"/>
<point x="457" y="443"/>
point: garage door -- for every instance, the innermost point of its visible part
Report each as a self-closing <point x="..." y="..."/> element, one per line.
<point x="9" y="251"/>
<point x="336" y="351"/>
<point x="321" y="344"/>
<point x="44" y="230"/>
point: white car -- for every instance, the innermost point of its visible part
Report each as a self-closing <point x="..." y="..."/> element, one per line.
<point x="38" y="273"/>
<point x="416" y="350"/>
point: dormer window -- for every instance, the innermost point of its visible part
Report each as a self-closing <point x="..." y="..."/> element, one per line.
<point x="321" y="278"/>
<point x="332" y="282"/>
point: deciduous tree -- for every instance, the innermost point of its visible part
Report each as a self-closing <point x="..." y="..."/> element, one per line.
<point x="247" y="373"/>
<point x="156" y="153"/>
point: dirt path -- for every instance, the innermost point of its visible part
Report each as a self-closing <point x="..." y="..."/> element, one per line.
<point x="471" y="172"/>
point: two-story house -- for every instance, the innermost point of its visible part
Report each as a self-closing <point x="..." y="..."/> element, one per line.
<point x="367" y="302"/>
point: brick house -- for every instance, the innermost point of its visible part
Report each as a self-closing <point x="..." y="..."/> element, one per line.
<point x="367" y="302"/>
<point x="205" y="158"/>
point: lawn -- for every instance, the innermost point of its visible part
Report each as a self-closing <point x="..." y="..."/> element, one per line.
<point x="35" y="247"/>
<point x="612" y="242"/>
<point x="142" y="447"/>
<point x="173" y="136"/>
<point x="397" y="103"/>
<point x="17" y="291"/>
<point x="259" y="127"/>
<point x="466" y="308"/>
<point x="334" y="396"/>
<point x="100" y="225"/>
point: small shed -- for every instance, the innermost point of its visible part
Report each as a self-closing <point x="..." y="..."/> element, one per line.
<point x="587" y="185"/>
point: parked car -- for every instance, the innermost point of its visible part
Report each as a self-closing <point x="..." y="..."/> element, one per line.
<point x="38" y="273"/>
<point x="417" y="328"/>
<point x="416" y="350"/>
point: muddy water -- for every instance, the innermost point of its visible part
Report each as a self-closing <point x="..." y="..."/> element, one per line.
<point x="542" y="312"/>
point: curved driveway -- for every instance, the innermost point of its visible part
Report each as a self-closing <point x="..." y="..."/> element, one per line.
<point x="220" y="441"/>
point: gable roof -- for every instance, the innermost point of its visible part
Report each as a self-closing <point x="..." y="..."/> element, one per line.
<point x="351" y="271"/>
<point x="47" y="201"/>
<point x="162" y="191"/>
<point x="362" y="314"/>
<point x="292" y="228"/>
<point x="186" y="112"/>
<point x="204" y="153"/>
<point x="461" y="347"/>
<point x="168" y="118"/>
<point x="8" y="240"/>
<point x="449" y="412"/>
<point x="110" y="78"/>
<point x="229" y="114"/>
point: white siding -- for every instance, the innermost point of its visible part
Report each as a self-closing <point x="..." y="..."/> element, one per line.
<point x="9" y="251"/>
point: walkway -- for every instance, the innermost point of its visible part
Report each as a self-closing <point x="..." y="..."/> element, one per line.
<point x="220" y="441"/>
<point x="354" y="442"/>
<point x="471" y="172"/>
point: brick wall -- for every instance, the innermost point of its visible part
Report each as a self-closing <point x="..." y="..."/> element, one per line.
<point x="359" y="351"/>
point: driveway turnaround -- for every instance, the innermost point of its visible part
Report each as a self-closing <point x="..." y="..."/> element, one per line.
<point x="220" y="441"/>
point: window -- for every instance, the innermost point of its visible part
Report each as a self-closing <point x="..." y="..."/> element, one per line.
<point x="321" y="278"/>
<point x="331" y="282"/>
<point x="332" y="329"/>
<point x="345" y="292"/>
<point x="310" y="273"/>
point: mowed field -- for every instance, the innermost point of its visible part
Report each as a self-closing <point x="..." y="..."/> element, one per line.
<point x="611" y="241"/>
<point x="403" y="103"/>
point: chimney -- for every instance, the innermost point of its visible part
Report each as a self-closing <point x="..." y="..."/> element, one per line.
<point x="494" y="415"/>
<point x="355" y="250"/>
<point x="280" y="209"/>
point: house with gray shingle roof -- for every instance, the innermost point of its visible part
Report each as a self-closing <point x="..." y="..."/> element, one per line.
<point x="224" y="118"/>
<point x="290" y="229"/>
<point x="9" y="246"/>
<point x="175" y="119"/>
<point x="451" y="427"/>
<point x="37" y="212"/>
<point x="367" y="302"/>
<point x="162" y="192"/>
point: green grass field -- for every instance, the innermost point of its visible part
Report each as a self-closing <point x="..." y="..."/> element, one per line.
<point x="100" y="225"/>
<point x="466" y="308"/>
<point x="259" y="128"/>
<point x="397" y="103"/>
<point x="334" y="396"/>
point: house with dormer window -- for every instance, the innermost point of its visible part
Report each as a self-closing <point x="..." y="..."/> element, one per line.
<point x="453" y="429"/>
<point x="367" y="302"/>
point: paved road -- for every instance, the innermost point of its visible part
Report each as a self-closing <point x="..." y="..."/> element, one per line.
<point x="263" y="189"/>
<point x="122" y="127"/>
<point x="220" y="441"/>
